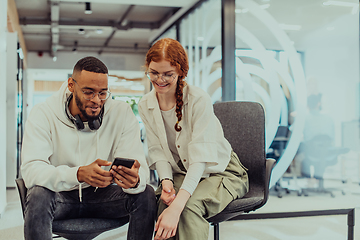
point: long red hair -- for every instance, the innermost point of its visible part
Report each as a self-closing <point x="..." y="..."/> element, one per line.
<point x="171" y="50"/>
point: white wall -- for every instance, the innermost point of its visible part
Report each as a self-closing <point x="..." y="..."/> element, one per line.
<point x="3" y="21"/>
<point x="332" y="58"/>
<point x="66" y="60"/>
<point x="11" y="108"/>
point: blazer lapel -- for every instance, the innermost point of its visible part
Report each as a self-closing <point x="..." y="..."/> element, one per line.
<point x="157" y="117"/>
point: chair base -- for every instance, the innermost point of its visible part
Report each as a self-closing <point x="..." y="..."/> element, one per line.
<point x="216" y="231"/>
<point x="320" y="189"/>
<point x="280" y="189"/>
<point x="86" y="228"/>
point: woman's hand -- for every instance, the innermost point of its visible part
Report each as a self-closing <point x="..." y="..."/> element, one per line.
<point x="168" y="193"/>
<point x="168" y="220"/>
<point x="167" y="223"/>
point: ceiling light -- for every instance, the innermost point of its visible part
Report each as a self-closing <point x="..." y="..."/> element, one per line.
<point x="340" y="4"/>
<point x="99" y="31"/>
<point x="88" y="8"/>
<point x="54" y="58"/>
<point x="355" y="10"/>
<point x="354" y="6"/>
<point x="290" y="27"/>
<point x="124" y="22"/>
<point x="265" y="6"/>
<point x="75" y="46"/>
<point x="245" y="10"/>
<point x="200" y="39"/>
<point x="238" y="10"/>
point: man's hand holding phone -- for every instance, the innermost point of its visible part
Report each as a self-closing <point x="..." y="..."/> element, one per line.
<point x="94" y="175"/>
<point x="125" y="172"/>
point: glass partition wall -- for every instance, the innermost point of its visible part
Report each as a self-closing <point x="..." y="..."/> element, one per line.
<point x="300" y="61"/>
<point x="200" y="34"/>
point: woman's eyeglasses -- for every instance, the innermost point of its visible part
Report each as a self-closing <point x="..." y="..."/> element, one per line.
<point x="166" y="78"/>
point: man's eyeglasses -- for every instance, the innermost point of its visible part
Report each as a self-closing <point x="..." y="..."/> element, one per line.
<point x="166" y="78"/>
<point x="88" y="94"/>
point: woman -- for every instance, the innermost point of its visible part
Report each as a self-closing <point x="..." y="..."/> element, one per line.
<point x="199" y="173"/>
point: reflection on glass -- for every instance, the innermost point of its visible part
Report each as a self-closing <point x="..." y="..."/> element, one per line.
<point x="200" y="35"/>
<point x="277" y="49"/>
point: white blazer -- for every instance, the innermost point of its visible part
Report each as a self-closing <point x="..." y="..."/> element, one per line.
<point x="200" y="140"/>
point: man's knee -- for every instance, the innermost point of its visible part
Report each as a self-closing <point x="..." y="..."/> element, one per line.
<point x="39" y="199"/>
<point x="148" y="196"/>
<point x="146" y="201"/>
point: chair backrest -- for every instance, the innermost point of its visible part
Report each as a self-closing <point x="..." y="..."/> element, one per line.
<point x="244" y="127"/>
<point x="282" y="131"/>
<point x="22" y="192"/>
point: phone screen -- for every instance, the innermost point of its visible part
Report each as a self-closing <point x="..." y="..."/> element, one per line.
<point x="126" y="162"/>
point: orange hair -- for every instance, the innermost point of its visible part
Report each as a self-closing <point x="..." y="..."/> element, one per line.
<point x="171" y="50"/>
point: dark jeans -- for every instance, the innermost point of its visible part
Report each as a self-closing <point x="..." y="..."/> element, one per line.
<point x="43" y="206"/>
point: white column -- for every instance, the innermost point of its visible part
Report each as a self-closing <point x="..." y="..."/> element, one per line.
<point x="29" y="89"/>
<point x="11" y="108"/>
<point x="25" y="96"/>
<point x="3" y="25"/>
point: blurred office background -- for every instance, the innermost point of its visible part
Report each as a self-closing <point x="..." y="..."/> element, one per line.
<point x="298" y="58"/>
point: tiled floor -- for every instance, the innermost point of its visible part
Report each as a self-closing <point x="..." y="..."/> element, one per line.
<point x="309" y="228"/>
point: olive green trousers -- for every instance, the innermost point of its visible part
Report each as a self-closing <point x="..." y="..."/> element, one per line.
<point x="210" y="197"/>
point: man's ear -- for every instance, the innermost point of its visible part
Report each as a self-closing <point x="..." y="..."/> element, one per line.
<point x="71" y="85"/>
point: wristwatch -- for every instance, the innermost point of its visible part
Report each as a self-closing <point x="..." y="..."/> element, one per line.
<point x="166" y="179"/>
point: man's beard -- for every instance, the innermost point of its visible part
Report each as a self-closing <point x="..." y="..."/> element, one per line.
<point x="80" y="105"/>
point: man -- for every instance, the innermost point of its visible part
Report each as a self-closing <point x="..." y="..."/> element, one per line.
<point x="69" y="143"/>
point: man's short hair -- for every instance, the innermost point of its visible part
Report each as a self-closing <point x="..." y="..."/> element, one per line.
<point x="90" y="64"/>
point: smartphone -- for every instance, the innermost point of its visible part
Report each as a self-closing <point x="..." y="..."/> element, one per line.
<point x="126" y="162"/>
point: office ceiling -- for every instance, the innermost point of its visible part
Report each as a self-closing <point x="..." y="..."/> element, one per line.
<point x="125" y="26"/>
<point x="112" y="26"/>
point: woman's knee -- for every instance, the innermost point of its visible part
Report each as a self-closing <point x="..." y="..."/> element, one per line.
<point x="193" y="209"/>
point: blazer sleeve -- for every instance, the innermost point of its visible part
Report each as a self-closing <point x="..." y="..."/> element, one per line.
<point x="203" y="146"/>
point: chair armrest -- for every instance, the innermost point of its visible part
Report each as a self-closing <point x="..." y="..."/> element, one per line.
<point x="270" y="163"/>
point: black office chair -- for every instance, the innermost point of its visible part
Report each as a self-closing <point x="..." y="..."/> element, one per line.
<point x="275" y="151"/>
<point x="244" y="127"/>
<point x="319" y="154"/>
<point x="279" y="143"/>
<point x="76" y="229"/>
